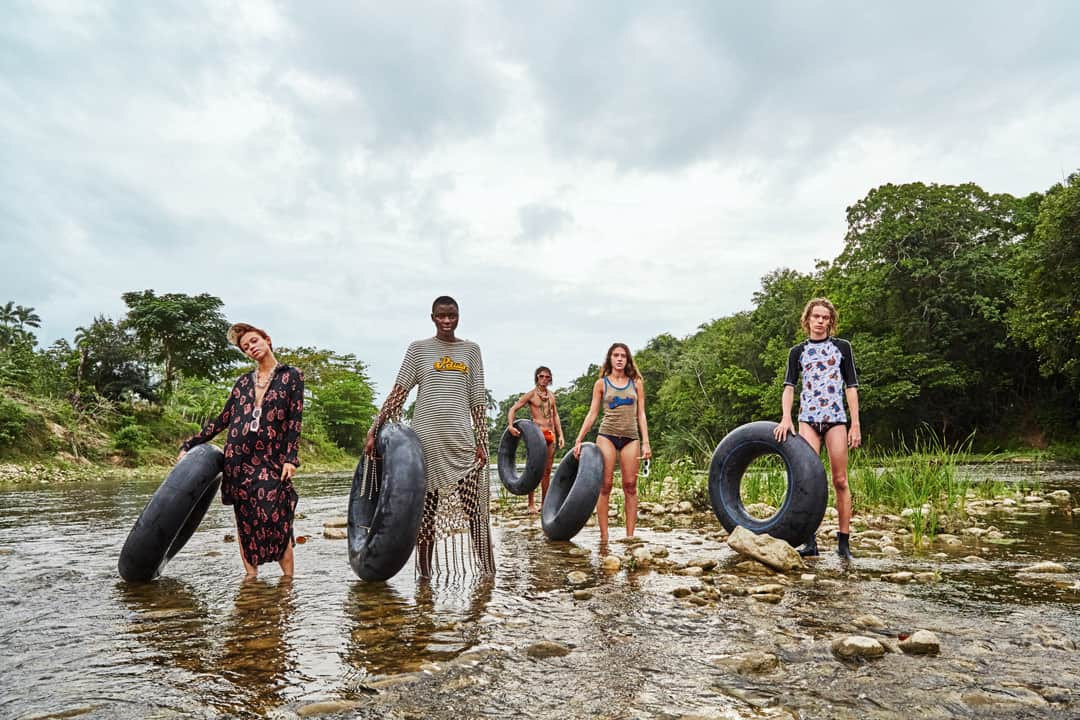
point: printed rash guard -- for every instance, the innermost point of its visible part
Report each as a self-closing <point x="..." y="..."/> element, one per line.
<point x="827" y="367"/>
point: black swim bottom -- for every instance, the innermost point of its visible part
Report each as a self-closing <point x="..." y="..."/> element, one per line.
<point x="822" y="427"/>
<point x="618" y="441"/>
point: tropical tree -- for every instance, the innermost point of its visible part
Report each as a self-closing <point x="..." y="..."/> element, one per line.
<point x="110" y="361"/>
<point x="1046" y="302"/>
<point x="183" y="333"/>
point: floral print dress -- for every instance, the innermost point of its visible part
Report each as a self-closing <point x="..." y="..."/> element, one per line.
<point x="255" y="455"/>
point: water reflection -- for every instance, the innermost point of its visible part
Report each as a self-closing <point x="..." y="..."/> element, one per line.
<point x="255" y="655"/>
<point x="390" y="632"/>
<point x="170" y="620"/>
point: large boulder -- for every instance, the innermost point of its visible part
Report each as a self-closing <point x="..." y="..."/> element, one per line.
<point x="766" y="549"/>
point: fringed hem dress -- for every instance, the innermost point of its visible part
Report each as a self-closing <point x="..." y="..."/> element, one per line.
<point x="251" y="482"/>
<point x="450" y="398"/>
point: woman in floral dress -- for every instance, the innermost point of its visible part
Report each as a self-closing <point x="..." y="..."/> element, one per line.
<point x="263" y="418"/>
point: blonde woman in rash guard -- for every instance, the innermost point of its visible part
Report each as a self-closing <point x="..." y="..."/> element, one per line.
<point x="621" y="391"/>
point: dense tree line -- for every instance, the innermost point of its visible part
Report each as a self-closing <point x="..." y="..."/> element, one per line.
<point x="155" y="375"/>
<point x="963" y="308"/>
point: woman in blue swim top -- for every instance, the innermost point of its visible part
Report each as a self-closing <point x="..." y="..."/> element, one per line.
<point x="621" y="391"/>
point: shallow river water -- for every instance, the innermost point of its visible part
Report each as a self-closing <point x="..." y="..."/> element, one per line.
<point x="77" y="641"/>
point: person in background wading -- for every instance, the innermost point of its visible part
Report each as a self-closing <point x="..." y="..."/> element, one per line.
<point x="541" y="402"/>
<point x="450" y="418"/>
<point x="263" y="416"/>
<point x="828" y="377"/>
<point x="622" y="392"/>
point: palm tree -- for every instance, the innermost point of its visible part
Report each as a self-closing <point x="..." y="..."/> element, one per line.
<point x="26" y="317"/>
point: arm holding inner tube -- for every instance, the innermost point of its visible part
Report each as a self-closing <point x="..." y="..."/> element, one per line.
<point x="391" y="410"/>
<point x="213" y="427"/>
<point x="521" y="402"/>
<point x="786" y="402"/>
<point x="594" y="411"/>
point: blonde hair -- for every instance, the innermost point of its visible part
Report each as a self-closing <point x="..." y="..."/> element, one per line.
<point x="834" y="317"/>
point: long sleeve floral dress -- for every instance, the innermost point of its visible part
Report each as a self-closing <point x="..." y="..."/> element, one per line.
<point x="254" y="458"/>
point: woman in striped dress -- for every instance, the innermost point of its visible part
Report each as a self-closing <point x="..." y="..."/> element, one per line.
<point x="450" y="418"/>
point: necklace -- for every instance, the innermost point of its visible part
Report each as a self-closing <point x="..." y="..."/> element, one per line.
<point x="264" y="384"/>
<point x="545" y="401"/>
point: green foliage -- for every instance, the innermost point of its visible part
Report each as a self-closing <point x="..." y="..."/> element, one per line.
<point x="185" y="333"/>
<point x="1046" y="300"/>
<point x="13" y="422"/>
<point x="131" y="441"/>
<point x="109" y="362"/>
<point x="341" y="399"/>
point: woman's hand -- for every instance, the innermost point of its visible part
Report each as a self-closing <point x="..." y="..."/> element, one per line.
<point x="481" y="454"/>
<point x="287" y="472"/>
<point x="577" y="449"/>
<point x="854" y="436"/>
<point x="783" y="429"/>
<point x="369" y="444"/>
<point x="513" y="430"/>
<point x="646" y="451"/>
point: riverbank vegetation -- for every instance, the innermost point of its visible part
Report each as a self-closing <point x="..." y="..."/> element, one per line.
<point x="128" y="391"/>
<point x="963" y="308"/>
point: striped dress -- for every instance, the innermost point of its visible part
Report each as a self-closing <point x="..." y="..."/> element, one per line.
<point x="450" y="380"/>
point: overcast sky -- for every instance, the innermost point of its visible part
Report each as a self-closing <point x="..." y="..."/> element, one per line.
<point x="574" y="173"/>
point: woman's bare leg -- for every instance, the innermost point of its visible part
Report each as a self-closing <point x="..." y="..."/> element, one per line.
<point x="628" y="463"/>
<point x="607" y="451"/>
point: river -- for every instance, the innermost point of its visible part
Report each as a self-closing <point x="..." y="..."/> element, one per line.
<point x="79" y="642"/>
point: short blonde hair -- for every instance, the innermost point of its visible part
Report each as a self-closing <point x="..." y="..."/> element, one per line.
<point x="834" y="317"/>
<point x="239" y="330"/>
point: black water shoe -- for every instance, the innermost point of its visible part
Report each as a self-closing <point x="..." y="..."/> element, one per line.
<point x="842" y="548"/>
<point x="809" y="548"/>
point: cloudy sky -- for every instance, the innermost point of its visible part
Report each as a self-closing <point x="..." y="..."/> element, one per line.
<point x="574" y="175"/>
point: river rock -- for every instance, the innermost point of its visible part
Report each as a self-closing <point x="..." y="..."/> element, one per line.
<point x="869" y="621"/>
<point x="808" y="577"/>
<point x="336" y="522"/>
<point x="921" y="642"/>
<point x="328" y="707"/>
<point x="890" y="551"/>
<point x="229" y="538"/>
<point x="692" y="572"/>
<point x="335" y="533"/>
<point x="903" y="576"/>
<point x="681" y="592"/>
<point x="659" y="551"/>
<point x="684" y="507"/>
<point x="703" y="563"/>
<point x="577" y="552"/>
<point x="771" y="598"/>
<point x="766" y="549"/>
<point x="582" y="595"/>
<point x="611" y="563"/>
<point x="642" y="557"/>
<point x="547" y="649"/>
<point x="971" y="558"/>
<point x="1044" y="567"/>
<point x="768" y="588"/>
<point x="1032" y="499"/>
<point x="753" y="567"/>
<point x="857" y="646"/>
<point x="753" y="662"/>
<point x="1001" y="701"/>
<point x="926" y="577"/>
<point x="632" y="540"/>
<point x="1062" y="497"/>
<point x="577" y="577"/>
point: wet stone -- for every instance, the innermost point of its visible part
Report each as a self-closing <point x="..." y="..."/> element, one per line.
<point x="547" y="649"/>
<point x="582" y="595"/>
<point x="642" y="557"/>
<point x="767" y="589"/>
<point x="901" y="577"/>
<point x="753" y="662"/>
<point x="327" y="708"/>
<point x="699" y="600"/>
<point x="1044" y="567"/>
<point x="770" y="598"/>
<point x="692" y="572"/>
<point x="335" y="533"/>
<point x="869" y="621"/>
<point x="611" y="563"/>
<point x="577" y="577"/>
<point x="703" y="563"/>
<point x="632" y="540"/>
<point x="926" y="577"/>
<point x="681" y="592"/>
<point x="577" y="552"/>
<point x="229" y="538"/>
<point x="921" y="642"/>
<point x="857" y="646"/>
<point x="658" y="551"/>
<point x="336" y="522"/>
